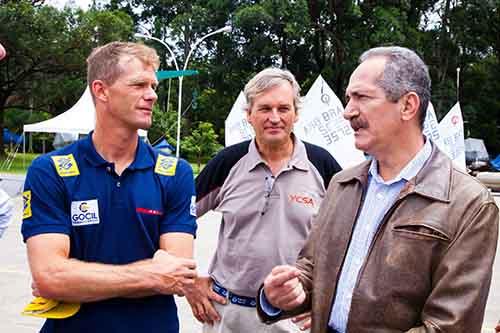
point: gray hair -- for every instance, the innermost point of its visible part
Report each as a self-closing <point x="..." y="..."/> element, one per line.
<point x="404" y="72"/>
<point x="270" y="78"/>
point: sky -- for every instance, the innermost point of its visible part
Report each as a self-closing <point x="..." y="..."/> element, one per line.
<point x="84" y="4"/>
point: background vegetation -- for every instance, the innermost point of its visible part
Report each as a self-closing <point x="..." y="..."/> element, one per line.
<point x="44" y="73"/>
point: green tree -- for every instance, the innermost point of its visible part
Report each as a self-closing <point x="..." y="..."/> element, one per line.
<point x="202" y="144"/>
<point x="45" y="68"/>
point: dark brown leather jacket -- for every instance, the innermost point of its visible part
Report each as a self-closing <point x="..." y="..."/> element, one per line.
<point x="429" y="266"/>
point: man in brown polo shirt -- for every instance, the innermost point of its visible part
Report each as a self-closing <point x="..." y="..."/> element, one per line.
<point x="268" y="190"/>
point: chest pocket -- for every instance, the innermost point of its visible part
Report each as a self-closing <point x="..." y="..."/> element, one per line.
<point x="423" y="230"/>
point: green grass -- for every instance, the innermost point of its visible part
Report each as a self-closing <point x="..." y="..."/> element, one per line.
<point x="18" y="168"/>
<point x="17" y="165"/>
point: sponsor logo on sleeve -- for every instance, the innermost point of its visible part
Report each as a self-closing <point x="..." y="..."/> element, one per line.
<point x="26" y="204"/>
<point x="66" y="165"/>
<point x="192" y="207"/>
<point x="166" y="165"/>
<point x="84" y="212"/>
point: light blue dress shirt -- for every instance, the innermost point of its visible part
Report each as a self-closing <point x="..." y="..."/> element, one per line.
<point x="379" y="197"/>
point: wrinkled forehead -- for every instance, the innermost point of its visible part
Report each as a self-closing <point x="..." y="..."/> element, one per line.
<point x="367" y="73"/>
<point x="281" y="93"/>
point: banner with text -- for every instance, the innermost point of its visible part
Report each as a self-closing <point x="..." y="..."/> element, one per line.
<point x="451" y="129"/>
<point x="321" y="122"/>
<point x="431" y="126"/>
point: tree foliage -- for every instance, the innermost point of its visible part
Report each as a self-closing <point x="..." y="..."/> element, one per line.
<point x="45" y="68"/>
<point x="201" y="144"/>
<point x="309" y="37"/>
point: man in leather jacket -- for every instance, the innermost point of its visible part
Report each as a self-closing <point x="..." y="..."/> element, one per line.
<point x="403" y="242"/>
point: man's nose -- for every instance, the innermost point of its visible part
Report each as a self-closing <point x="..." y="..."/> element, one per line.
<point x="274" y="116"/>
<point x="350" y="111"/>
<point x="150" y="95"/>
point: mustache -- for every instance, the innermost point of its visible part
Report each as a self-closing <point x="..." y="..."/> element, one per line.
<point x="357" y="123"/>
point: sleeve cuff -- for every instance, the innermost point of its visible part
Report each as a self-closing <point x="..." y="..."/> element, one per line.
<point x="185" y="228"/>
<point x="267" y="308"/>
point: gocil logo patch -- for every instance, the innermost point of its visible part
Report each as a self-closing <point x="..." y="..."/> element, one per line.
<point x="84" y="212"/>
<point x="84" y="207"/>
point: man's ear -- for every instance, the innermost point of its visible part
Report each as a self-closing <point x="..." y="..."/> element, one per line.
<point x="247" y="114"/>
<point x="99" y="90"/>
<point x="411" y="103"/>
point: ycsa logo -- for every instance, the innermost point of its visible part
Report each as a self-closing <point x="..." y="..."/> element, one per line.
<point x="166" y="165"/>
<point x="301" y="199"/>
<point x="84" y="212"/>
<point x="66" y="165"/>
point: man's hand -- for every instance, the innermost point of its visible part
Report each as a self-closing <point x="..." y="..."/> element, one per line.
<point x="173" y="273"/>
<point x="497" y="328"/>
<point x="200" y="296"/>
<point x="34" y="289"/>
<point x="283" y="288"/>
<point x="303" y="321"/>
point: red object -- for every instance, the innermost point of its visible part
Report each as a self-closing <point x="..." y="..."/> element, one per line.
<point x="148" y="211"/>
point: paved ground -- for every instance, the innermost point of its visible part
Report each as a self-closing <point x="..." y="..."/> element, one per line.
<point x="12" y="184"/>
<point x="15" y="279"/>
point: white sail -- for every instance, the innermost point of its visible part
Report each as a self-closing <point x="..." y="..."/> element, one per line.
<point x="452" y="131"/>
<point x="321" y="122"/>
<point x="237" y="128"/>
<point x="431" y="126"/>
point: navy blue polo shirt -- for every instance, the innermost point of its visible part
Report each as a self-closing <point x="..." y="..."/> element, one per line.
<point x="111" y="219"/>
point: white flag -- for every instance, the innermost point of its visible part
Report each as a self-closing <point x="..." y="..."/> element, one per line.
<point x="452" y="132"/>
<point x="431" y="126"/>
<point x="237" y="128"/>
<point x="321" y="122"/>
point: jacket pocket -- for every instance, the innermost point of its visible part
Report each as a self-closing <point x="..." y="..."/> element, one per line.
<point x="424" y="230"/>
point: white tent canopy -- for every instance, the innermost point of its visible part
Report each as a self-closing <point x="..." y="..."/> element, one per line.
<point x="79" y="119"/>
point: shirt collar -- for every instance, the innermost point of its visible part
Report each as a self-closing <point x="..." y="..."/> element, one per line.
<point x="433" y="180"/>
<point x="298" y="159"/>
<point x="143" y="159"/>
<point x="409" y="171"/>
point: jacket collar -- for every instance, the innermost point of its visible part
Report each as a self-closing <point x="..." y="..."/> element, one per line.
<point x="432" y="181"/>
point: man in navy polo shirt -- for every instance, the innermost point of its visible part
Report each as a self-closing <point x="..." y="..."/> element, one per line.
<point x="108" y="221"/>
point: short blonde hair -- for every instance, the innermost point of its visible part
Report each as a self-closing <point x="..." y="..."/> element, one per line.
<point x="269" y="78"/>
<point x="104" y="61"/>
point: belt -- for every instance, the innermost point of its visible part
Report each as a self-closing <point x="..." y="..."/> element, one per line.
<point x="233" y="298"/>
<point x="331" y="330"/>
